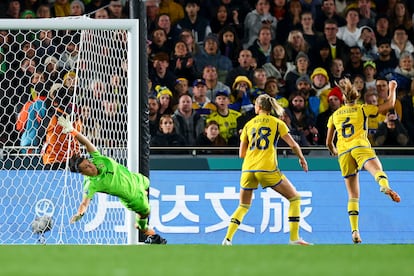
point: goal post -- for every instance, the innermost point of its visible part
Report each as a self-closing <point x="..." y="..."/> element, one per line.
<point x="14" y="228"/>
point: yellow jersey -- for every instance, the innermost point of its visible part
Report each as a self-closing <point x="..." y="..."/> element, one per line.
<point x="227" y="124"/>
<point x="261" y="134"/>
<point x="351" y="124"/>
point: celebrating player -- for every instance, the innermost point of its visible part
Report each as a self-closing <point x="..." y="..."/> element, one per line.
<point x="257" y="147"/>
<point x="105" y="175"/>
<point x="353" y="148"/>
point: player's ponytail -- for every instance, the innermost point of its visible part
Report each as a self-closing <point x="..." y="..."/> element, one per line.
<point x="268" y="103"/>
<point x="351" y="94"/>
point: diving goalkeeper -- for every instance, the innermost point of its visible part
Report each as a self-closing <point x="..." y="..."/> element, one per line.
<point x="105" y="175"/>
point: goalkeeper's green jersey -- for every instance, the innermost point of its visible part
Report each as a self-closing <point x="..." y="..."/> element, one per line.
<point x="114" y="179"/>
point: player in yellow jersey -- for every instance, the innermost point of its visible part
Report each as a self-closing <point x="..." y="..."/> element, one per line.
<point x="257" y="147"/>
<point x="353" y="148"/>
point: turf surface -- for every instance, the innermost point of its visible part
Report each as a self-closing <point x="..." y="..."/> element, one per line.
<point x="198" y="260"/>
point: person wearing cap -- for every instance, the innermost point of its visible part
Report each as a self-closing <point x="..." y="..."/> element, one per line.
<point x="320" y="82"/>
<point x="302" y="68"/>
<point x="240" y="96"/>
<point x="210" y="76"/>
<point x="368" y="43"/>
<point x="201" y="103"/>
<point x="160" y="73"/>
<point x="335" y="100"/>
<point x="370" y="71"/>
<point x="164" y="97"/>
<point x="225" y="117"/>
<point x="195" y="22"/>
<point x="210" y="55"/>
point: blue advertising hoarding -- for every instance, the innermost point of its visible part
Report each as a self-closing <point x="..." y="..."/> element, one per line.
<point x="195" y="207"/>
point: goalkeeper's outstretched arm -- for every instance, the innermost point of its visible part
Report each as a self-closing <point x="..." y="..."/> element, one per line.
<point x="67" y="127"/>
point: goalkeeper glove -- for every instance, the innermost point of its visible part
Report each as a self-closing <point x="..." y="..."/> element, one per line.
<point x="66" y="124"/>
<point x="75" y="218"/>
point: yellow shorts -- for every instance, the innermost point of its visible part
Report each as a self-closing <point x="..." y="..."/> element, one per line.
<point x="251" y="180"/>
<point x="352" y="161"/>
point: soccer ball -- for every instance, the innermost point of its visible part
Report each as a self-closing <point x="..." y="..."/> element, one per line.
<point x="42" y="224"/>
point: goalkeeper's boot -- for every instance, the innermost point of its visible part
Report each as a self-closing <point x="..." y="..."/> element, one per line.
<point x="226" y="242"/>
<point x="356" y="238"/>
<point x="155" y="239"/>
<point x="300" y="241"/>
<point x="392" y="194"/>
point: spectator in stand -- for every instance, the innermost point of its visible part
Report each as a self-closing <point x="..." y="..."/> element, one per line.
<point x="310" y="35"/>
<point x="61" y="8"/>
<point x="387" y="60"/>
<point x="272" y="89"/>
<point x="391" y="132"/>
<point x="160" y="74"/>
<point x="77" y="8"/>
<point x="302" y="68"/>
<point x="181" y="87"/>
<point x="153" y="115"/>
<point x="295" y="44"/>
<point x="95" y="5"/>
<point x="338" y="47"/>
<point x="51" y="72"/>
<point x="194" y="22"/>
<point x="182" y="62"/>
<point x="220" y="19"/>
<point x="321" y="55"/>
<point x="371" y="97"/>
<point x="322" y="86"/>
<point x="403" y="74"/>
<point x="163" y="21"/>
<point x="174" y="10"/>
<point x="101" y="14"/>
<point x="229" y="44"/>
<point x="255" y="20"/>
<point x="300" y="118"/>
<point x="297" y="135"/>
<point x="359" y="84"/>
<point x="290" y="22"/>
<point x="187" y="121"/>
<point x="187" y="36"/>
<point x="368" y="44"/>
<point x="278" y="8"/>
<point x="213" y="84"/>
<point x="116" y="9"/>
<point x="69" y="57"/>
<point x="226" y="118"/>
<point x="407" y="103"/>
<point x="211" y="136"/>
<point x="401" y="18"/>
<point x="166" y="135"/>
<point x="13" y="9"/>
<point x="382" y="90"/>
<point x="278" y="66"/>
<point x="370" y="71"/>
<point x="355" y="65"/>
<point x="261" y="49"/>
<point x="240" y="96"/>
<point x="152" y="7"/>
<point x="259" y="81"/>
<point x="210" y="55"/>
<point x="336" y="71"/>
<point x="164" y="96"/>
<point x="366" y="14"/>
<point x="382" y="27"/>
<point x="328" y="12"/>
<point x="400" y="42"/>
<point x="350" y="33"/>
<point x="46" y="43"/>
<point x="159" y="42"/>
<point x="245" y="68"/>
<point x="335" y="100"/>
<point x="43" y="11"/>
<point x="201" y="103"/>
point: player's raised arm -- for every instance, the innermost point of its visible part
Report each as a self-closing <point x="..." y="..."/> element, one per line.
<point x="68" y="128"/>
<point x="390" y="102"/>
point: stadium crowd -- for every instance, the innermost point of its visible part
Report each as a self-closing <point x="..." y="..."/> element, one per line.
<point x="208" y="61"/>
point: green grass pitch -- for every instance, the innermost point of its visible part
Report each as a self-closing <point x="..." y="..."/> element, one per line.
<point x="200" y="260"/>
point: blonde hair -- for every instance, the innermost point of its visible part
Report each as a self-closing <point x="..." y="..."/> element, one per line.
<point x="267" y="103"/>
<point x="351" y="94"/>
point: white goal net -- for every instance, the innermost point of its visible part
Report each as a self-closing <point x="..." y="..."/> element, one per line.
<point x="49" y="68"/>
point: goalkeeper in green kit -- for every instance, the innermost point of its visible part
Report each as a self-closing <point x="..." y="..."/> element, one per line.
<point x="103" y="174"/>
